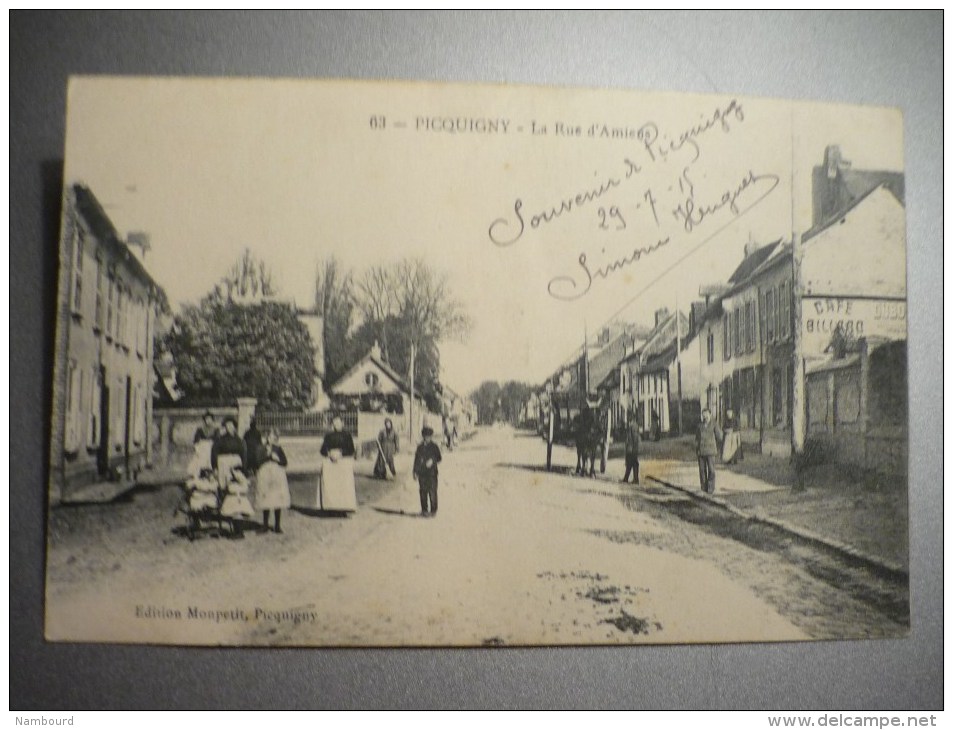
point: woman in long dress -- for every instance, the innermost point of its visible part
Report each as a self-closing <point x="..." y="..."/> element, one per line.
<point x="337" y="492"/>
<point x="271" y="491"/>
<point x="388" y="445"/>
<point x="731" y="448"/>
<point x="229" y="460"/>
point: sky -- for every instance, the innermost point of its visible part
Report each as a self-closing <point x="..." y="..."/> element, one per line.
<point x="550" y="210"/>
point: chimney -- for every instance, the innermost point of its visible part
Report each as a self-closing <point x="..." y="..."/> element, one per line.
<point x="751" y="246"/>
<point x="376" y="350"/>
<point x="833" y="162"/>
<point x="660" y="315"/>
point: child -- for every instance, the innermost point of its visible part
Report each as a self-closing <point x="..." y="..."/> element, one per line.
<point x="425" y="472"/>
<point x="272" y="491"/>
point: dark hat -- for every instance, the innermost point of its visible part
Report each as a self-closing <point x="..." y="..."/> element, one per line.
<point x="427" y="431"/>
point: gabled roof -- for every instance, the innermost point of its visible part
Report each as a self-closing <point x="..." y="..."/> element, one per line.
<point x="840" y="214"/>
<point x="660" y="360"/>
<point x="372" y="357"/>
<point x="102" y="228"/>
<point x="751" y="262"/>
<point x="662" y="337"/>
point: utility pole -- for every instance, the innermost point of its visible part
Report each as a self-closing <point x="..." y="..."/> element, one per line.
<point x="413" y="353"/>
<point x="797" y="405"/>
<point x="798" y="394"/>
<point x="585" y="360"/>
<point x="551" y="390"/>
<point x="678" y="363"/>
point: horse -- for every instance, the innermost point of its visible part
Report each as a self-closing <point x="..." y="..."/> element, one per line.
<point x="590" y="439"/>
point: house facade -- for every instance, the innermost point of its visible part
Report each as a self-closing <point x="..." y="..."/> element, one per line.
<point x="657" y="369"/>
<point x="748" y="358"/>
<point x="372" y="386"/>
<point x="103" y="373"/>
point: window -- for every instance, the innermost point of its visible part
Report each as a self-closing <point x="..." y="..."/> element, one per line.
<point x="749" y="326"/>
<point x="146" y="342"/>
<point x="74" y="400"/>
<point x="131" y="337"/>
<point x="120" y="321"/>
<point x="727" y="343"/>
<point x="739" y="331"/>
<point x="138" y="416"/>
<point x="79" y="240"/>
<point x="371" y="380"/>
<point x="777" y="406"/>
<point x="110" y="297"/>
<point x="769" y="315"/>
<point x="118" y="401"/>
<point x="777" y="319"/>
<point x="784" y="307"/>
<point x="100" y="284"/>
<point x="711" y="347"/>
<point x="141" y="315"/>
<point x="95" y="412"/>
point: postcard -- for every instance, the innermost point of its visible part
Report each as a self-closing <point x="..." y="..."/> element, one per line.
<point x="354" y="363"/>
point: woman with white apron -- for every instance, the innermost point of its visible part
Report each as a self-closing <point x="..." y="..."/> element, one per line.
<point x="336" y="492"/>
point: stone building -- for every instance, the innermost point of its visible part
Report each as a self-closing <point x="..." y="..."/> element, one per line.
<point x="103" y="374"/>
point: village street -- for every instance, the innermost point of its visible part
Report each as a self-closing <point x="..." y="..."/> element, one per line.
<point x="515" y="556"/>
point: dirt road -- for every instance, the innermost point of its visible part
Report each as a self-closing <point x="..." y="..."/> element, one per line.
<point x="515" y="556"/>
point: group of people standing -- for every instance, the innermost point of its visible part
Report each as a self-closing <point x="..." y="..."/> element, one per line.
<point x="257" y="456"/>
<point x="711" y="442"/>
<point x="262" y="458"/>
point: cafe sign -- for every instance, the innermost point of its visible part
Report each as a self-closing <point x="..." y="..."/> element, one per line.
<point x="856" y="317"/>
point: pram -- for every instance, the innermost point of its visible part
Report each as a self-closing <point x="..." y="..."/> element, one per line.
<point x="214" y="499"/>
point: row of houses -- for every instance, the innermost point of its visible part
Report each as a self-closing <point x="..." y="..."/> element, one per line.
<point x="734" y="349"/>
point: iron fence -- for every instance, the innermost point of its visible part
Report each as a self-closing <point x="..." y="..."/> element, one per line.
<point x="298" y="423"/>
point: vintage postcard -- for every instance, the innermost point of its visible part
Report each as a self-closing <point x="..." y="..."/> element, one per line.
<point x="351" y="363"/>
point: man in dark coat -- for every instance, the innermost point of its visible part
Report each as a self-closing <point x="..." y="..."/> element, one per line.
<point x="425" y="472"/>
<point x="632" y="443"/>
<point x="583" y="435"/>
<point x="254" y="447"/>
<point x="706" y="446"/>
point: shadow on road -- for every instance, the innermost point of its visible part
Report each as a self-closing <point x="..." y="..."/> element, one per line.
<point x="397" y="512"/>
<point x="323" y="513"/>
<point x="564" y="470"/>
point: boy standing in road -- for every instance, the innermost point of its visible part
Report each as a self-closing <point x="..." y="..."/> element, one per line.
<point x="632" y="441"/>
<point x="706" y="446"/>
<point x="425" y="472"/>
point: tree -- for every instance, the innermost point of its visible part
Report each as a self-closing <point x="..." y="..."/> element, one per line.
<point x="334" y="301"/>
<point x="495" y="402"/>
<point x="224" y="350"/>
<point x="248" y="279"/>
<point x="407" y="305"/>
<point x="513" y="396"/>
<point x="487" y="400"/>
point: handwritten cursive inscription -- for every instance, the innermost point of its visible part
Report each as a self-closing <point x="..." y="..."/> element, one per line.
<point x="500" y="227"/>
<point x="659" y="145"/>
<point x="569" y="288"/>
<point x="667" y="187"/>
<point x="691" y="213"/>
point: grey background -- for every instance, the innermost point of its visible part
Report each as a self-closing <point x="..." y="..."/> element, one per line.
<point x="892" y="59"/>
